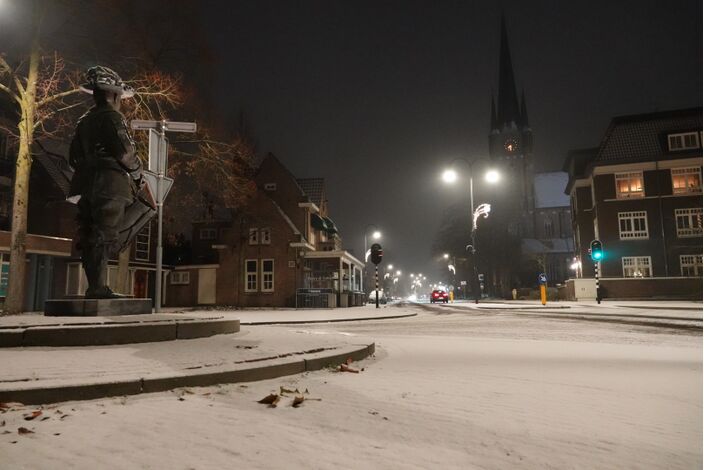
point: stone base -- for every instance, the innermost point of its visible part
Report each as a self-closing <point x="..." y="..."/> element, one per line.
<point x="96" y="307"/>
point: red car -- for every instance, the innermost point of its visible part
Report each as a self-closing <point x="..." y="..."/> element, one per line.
<point x="439" y="296"/>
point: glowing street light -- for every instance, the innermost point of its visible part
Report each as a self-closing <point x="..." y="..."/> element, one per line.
<point x="449" y="176"/>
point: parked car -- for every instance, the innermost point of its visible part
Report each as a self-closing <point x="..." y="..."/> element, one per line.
<point x="439" y="296"/>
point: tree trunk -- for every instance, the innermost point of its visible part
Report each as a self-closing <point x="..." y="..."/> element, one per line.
<point x="123" y="272"/>
<point x="20" y="201"/>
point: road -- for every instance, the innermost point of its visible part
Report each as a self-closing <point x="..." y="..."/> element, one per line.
<point x="449" y="388"/>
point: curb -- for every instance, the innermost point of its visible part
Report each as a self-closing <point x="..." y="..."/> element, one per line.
<point x="114" y="333"/>
<point x="244" y="372"/>
<point x="335" y="320"/>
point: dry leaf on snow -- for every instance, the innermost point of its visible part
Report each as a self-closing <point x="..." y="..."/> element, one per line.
<point x="272" y="399"/>
<point x="346" y="368"/>
<point x="298" y="400"/>
<point x="24" y="431"/>
<point x="32" y="415"/>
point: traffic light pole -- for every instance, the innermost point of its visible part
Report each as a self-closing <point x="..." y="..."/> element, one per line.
<point x="376" y="284"/>
<point x="596" y="279"/>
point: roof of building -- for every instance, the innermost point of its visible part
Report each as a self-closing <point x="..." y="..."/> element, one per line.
<point x="549" y="189"/>
<point x="314" y="188"/>
<point x="643" y="137"/>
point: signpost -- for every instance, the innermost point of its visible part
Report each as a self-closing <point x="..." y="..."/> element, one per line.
<point x="159" y="183"/>
<point x="543" y="281"/>
<point x="596" y="251"/>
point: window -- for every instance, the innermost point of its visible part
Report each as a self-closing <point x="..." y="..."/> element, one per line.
<point x="208" y="233"/>
<point x="265" y="236"/>
<point x="689" y="222"/>
<point x="636" y="266"/>
<point x="141" y="245"/>
<point x="180" y="277"/>
<point x="629" y="185"/>
<point x="270" y="187"/>
<point x="253" y="236"/>
<point x="632" y="225"/>
<point x="76" y="282"/>
<point x="549" y="229"/>
<point x="267" y="275"/>
<point x="691" y="265"/>
<point x="250" y="275"/>
<point x="686" y="180"/>
<point x="688" y="140"/>
<point x="4" y="273"/>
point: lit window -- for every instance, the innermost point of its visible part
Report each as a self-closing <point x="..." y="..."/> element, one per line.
<point x="141" y="243"/>
<point x="687" y="140"/>
<point x="629" y="185"/>
<point x="180" y="277"/>
<point x="686" y="180"/>
<point x="691" y="265"/>
<point x="632" y="225"/>
<point x="250" y="275"/>
<point x="636" y="266"/>
<point x="265" y="236"/>
<point x="267" y="275"/>
<point x="208" y="233"/>
<point x="253" y="236"/>
<point x="689" y="222"/>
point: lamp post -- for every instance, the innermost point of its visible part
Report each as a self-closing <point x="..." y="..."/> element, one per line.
<point x="491" y="176"/>
<point x="375" y="235"/>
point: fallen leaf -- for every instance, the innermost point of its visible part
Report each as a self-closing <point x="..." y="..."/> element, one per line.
<point x="64" y="416"/>
<point x="272" y="399"/>
<point x="181" y="399"/>
<point x="57" y="434"/>
<point x="32" y="415"/>
<point x="13" y="442"/>
<point x="298" y="400"/>
<point x="24" y="431"/>
<point x="346" y="368"/>
<point x="45" y="418"/>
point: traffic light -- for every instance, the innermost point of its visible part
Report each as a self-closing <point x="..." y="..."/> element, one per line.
<point x="596" y="251"/>
<point x="377" y="253"/>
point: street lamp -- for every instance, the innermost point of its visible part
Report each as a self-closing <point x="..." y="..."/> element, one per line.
<point x="492" y="176"/>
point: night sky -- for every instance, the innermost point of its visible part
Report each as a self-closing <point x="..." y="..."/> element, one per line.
<point x="377" y="97"/>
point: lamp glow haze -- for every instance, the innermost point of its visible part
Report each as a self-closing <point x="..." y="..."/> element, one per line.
<point x="492" y="176"/>
<point x="376" y="235"/>
<point x="449" y="176"/>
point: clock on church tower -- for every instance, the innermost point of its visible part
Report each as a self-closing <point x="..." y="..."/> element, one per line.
<point x="511" y="145"/>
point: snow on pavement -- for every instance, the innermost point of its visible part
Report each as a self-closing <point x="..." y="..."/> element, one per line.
<point x="443" y="391"/>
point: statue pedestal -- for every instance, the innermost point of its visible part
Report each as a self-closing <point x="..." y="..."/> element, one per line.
<point x="96" y="307"/>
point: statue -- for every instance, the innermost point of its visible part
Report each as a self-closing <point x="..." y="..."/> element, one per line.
<point x="108" y="178"/>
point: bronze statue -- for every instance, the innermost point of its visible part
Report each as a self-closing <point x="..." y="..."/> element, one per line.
<point x="108" y="176"/>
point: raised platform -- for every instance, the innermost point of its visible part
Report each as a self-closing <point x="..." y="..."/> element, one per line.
<point x="96" y="307"/>
<point x="100" y="331"/>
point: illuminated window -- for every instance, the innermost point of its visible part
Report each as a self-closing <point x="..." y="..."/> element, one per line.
<point x="691" y="265"/>
<point x="629" y="185"/>
<point x="250" y="275"/>
<point x="267" y="275"/>
<point x="253" y="236"/>
<point x="141" y="243"/>
<point x="689" y="222"/>
<point x="180" y="277"/>
<point x="636" y="266"/>
<point x="632" y="225"/>
<point x="687" y="140"/>
<point x="686" y="180"/>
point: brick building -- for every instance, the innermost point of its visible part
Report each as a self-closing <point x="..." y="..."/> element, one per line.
<point x="282" y="250"/>
<point x="640" y="193"/>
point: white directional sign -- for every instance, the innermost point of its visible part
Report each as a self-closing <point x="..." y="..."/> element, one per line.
<point x="151" y="179"/>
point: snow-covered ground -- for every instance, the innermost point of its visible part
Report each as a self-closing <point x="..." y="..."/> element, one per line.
<point x="447" y="390"/>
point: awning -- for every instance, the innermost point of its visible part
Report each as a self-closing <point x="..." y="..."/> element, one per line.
<point x="318" y="223"/>
<point x="332" y="229"/>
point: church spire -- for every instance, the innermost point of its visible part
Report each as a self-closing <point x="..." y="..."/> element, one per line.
<point x="524" y="111"/>
<point x="508" y="101"/>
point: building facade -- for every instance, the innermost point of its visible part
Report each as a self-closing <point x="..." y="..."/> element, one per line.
<point x="640" y="194"/>
<point x="282" y="250"/>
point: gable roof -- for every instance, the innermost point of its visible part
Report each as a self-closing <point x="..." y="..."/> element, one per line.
<point x="314" y="188"/>
<point x="643" y="137"/>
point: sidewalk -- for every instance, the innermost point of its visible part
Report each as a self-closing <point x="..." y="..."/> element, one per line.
<point x="256" y="352"/>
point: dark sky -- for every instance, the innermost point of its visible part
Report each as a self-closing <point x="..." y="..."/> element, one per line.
<point x="378" y="96"/>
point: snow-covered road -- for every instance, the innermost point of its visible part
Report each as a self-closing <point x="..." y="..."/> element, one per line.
<point x="446" y="390"/>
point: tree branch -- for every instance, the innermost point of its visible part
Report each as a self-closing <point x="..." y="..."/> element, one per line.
<point x="57" y="96"/>
<point x="12" y="94"/>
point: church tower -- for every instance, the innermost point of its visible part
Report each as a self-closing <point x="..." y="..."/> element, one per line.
<point x="511" y="147"/>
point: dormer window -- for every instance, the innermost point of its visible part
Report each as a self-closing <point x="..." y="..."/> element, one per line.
<point x="684" y="141"/>
<point x="629" y="185"/>
<point x="253" y="236"/>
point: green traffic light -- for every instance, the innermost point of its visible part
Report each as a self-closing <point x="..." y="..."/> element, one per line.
<point x="597" y="255"/>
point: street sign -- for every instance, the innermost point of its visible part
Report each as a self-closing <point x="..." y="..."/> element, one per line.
<point x="166" y="183"/>
<point x="169" y="126"/>
<point x="542" y="278"/>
